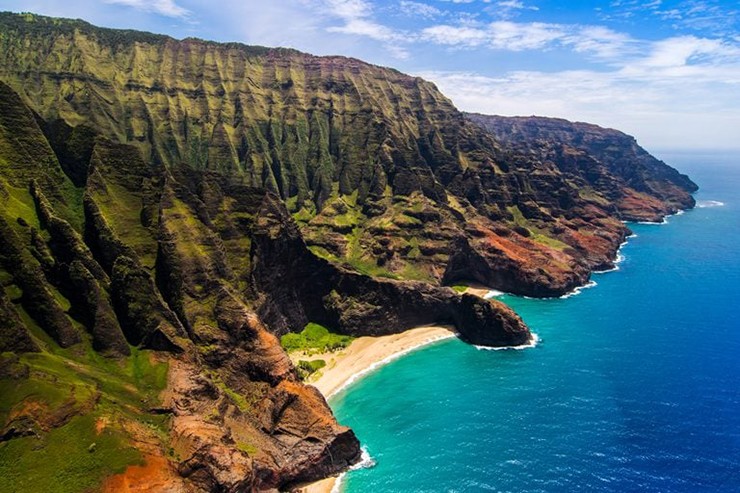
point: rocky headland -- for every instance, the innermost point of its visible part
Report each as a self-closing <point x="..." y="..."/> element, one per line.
<point x="170" y="208"/>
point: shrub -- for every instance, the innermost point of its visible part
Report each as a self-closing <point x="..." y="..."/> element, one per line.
<point x="292" y="342"/>
<point x="307" y="368"/>
<point x="315" y="338"/>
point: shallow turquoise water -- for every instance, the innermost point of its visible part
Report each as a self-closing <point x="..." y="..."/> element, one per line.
<point x="633" y="387"/>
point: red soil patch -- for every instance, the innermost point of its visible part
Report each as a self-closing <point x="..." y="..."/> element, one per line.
<point x="155" y="475"/>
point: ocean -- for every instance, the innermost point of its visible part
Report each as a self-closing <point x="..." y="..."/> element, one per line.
<point x="633" y="386"/>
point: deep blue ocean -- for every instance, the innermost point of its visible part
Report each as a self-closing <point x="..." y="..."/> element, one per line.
<point x="634" y="386"/>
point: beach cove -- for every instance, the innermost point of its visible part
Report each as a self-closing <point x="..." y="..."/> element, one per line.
<point x="362" y="356"/>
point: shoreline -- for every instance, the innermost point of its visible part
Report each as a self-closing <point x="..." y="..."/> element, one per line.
<point x="366" y="354"/>
<point x="363" y="356"/>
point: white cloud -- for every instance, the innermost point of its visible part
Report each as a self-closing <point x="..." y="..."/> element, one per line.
<point x="711" y="16"/>
<point x="503" y="35"/>
<point x="163" y="7"/>
<point x="508" y="9"/>
<point x="363" y="27"/>
<point x="683" y="93"/>
<point x="455" y="35"/>
<point x="602" y="42"/>
<point x="671" y="14"/>
<point x="512" y="36"/>
<point x="512" y="4"/>
<point x="418" y="9"/>
<point x="519" y="36"/>
<point x="689" y="51"/>
<point x="357" y="18"/>
<point x="349" y="9"/>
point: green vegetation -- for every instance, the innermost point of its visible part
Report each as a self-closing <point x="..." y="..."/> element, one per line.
<point x="71" y="458"/>
<point x="70" y="391"/>
<point x="245" y="398"/>
<point x="415" y="272"/>
<point x="314" y="338"/>
<point x="459" y="288"/>
<point x="239" y="400"/>
<point x="308" y="368"/>
<point x="536" y="234"/>
<point x="247" y="448"/>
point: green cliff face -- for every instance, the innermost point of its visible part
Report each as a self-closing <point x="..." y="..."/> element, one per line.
<point x="167" y="208"/>
<point x="605" y="159"/>
<point x="127" y="334"/>
<point x="363" y="156"/>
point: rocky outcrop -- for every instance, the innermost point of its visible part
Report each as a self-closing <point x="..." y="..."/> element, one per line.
<point x="37" y="298"/>
<point x="297" y="287"/>
<point x="14" y="336"/>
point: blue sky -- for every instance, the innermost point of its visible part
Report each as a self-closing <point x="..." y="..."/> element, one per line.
<point x="666" y="71"/>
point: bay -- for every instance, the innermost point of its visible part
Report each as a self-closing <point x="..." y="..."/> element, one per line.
<point x="633" y="386"/>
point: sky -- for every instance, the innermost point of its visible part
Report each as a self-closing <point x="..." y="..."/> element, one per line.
<point x="665" y="71"/>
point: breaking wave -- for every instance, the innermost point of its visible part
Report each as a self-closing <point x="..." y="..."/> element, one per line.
<point x="533" y="343"/>
<point x="703" y="204"/>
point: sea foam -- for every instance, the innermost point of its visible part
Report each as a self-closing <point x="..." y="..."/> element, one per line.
<point x="533" y="343"/>
<point x="702" y="204"/>
<point x="492" y="293"/>
<point x="665" y="219"/>
<point x="366" y="462"/>
<point x="578" y="290"/>
<point x="620" y="257"/>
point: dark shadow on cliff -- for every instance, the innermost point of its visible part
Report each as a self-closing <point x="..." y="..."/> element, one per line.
<point x="297" y="287"/>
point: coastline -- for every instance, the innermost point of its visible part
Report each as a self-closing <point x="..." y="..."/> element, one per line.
<point x="366" y="354"/>
<point x="362" y="356"/>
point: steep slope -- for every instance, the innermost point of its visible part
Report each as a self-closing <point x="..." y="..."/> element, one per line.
<point x="363" y="156"/>
<point x="603" y="159"/>
<point x="181" y="263"/>
<point x="234" y="414"/>
<point x="129" y="314"/>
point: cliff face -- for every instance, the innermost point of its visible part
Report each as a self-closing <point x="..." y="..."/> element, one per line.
<point x="132" y="261"/>
<point x="379" y="168"/>
<point x="170" y="207"/>
<point x="196" y="266"/>
<point x="599" y="158"/>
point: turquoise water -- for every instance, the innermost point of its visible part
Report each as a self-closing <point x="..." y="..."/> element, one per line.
<point x="633" y="387"/>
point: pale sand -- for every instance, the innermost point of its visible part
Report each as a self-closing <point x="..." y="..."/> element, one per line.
<point x="478" y="291"/>
<point x="367" y="353"/>
<point x="323" y="486"/>
<point x="363" y="355"/>
<point x="481" y="290"/>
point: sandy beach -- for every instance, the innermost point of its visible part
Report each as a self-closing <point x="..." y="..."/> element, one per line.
<point x="362" y="356"/>
<point x="367" y="353"/>
<point x="323" y="486"/>
<point x="479" y="290"/>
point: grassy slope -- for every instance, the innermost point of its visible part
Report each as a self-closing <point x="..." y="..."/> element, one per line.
<point x="61" y="395"/>
<point x="97" y="398"/>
